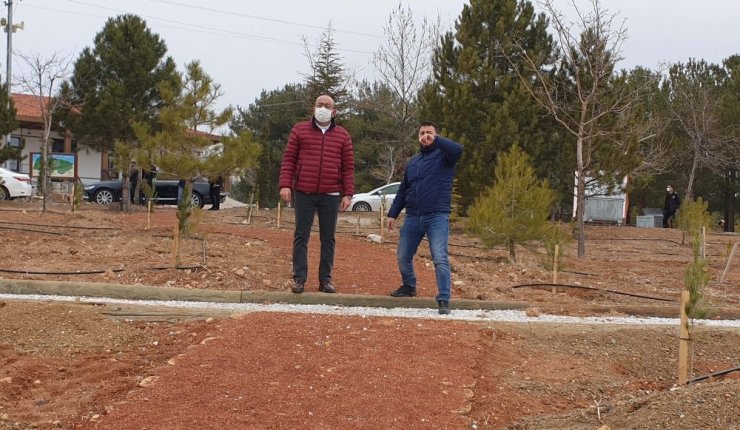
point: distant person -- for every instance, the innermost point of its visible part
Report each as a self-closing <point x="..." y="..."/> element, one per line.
<point x="426" y="193"/>
<point x="133" y="176"/>
<point x="318" y="172"/>
<point x="215" y="184"/>
<point x="180" y="191"/>
<point x="670" y="207"/>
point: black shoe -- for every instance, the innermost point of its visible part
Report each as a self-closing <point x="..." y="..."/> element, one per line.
<point x="443" y="306"/>
<point x="298" y="286"/>
<point x="404" y="291"/>
<point x="327" y="287"/>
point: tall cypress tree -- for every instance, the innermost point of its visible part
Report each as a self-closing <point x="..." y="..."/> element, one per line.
<point x="477" y="98"/>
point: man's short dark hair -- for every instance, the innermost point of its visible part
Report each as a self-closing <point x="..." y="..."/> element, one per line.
<point x="429" y="123"/>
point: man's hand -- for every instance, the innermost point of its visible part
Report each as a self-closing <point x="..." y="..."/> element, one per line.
<point x="391" y="223"/>
<point x="285" y="194"/>
<point x="346" y="201"/>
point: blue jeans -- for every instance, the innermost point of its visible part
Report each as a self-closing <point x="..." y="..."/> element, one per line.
<point x="437" y="229"/>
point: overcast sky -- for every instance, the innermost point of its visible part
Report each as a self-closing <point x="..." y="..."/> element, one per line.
<point x="248" y="45"/>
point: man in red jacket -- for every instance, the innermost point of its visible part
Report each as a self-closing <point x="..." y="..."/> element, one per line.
<point x="318" y="171"/>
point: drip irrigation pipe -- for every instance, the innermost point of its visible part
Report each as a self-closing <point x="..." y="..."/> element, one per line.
<point x="82" y="272"/>
<point x="60" y="226"/>
<point x="582" y="287"/>
<point x="714" y="375"/>
<point x="31" y="230"/>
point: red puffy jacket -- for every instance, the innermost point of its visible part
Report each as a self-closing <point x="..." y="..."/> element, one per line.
<point x="318" y="163"/>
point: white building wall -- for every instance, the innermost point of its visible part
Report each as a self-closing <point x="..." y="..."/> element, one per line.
<point x="88" y="161"/>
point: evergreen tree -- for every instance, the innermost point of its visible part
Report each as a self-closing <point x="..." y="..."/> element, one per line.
<point x="270" y="119"/>
<point x="477" y="98"/>
<point x="515" y="208"/>
<point x="328" y="74"/>
<point x="116" y="83"/>
<point x="8" y="123"/>
<point x="181" y="146"/>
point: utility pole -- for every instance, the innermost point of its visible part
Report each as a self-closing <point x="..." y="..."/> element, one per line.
<point x="9" y="29"/>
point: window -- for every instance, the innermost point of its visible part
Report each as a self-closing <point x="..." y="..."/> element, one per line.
<point x="14" y="165"/>
<point x="57" y="145"/>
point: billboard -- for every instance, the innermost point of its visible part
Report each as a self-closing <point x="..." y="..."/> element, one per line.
<point x="61" y="165"/>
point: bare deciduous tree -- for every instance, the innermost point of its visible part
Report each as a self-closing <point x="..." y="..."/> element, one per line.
<point x="694" y="105"/>
<point x="41" y="78"/>
<point x="586" y="97"/>
<point x="403" y="64"/>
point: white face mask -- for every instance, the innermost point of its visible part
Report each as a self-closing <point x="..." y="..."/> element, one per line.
<point x="322" y="114"/>
<point x="668" y="189"/>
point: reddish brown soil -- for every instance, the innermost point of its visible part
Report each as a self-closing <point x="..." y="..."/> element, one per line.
<point x="73" y="366"/>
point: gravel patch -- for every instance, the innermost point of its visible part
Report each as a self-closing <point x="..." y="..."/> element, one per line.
<point x="457" y="315"/>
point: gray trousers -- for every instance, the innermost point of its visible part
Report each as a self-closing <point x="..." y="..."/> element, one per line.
<point x="327" y="207"/>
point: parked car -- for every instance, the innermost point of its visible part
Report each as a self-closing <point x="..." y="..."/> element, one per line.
<point x="370" y="201"/>
<point x="107" y="192"/>
<point x="14" y="185"/>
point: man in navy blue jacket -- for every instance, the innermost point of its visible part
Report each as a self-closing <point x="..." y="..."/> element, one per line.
<point x="426" y="193"/>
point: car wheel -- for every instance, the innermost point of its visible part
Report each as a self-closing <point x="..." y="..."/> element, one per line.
<point x="361" y="207"/>
<point x="196" y="200"/>
<point x="103" y="196"/>
<point x="4" y="194"/>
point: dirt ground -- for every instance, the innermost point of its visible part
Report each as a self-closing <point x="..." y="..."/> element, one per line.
<point x="74" y="366"/>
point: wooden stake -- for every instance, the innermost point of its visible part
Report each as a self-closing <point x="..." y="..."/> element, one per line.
<point x="729" y="260"/>
<point x="704" y="242"/>
<point x="249" y="210"/>
<point x="555" y="268"/>
<point x="683" y="343"/>
<point x="148" y="213"/>
<point x="278" y="213"/>
<point x="358" y="223"/>
<point x="381" y="216"/>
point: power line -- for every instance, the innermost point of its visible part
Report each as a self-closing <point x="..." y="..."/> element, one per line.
<point x="262" y="18"/>
<point x="187" y="26"/>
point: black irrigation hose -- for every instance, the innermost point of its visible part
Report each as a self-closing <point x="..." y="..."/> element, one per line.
<point x="60" y="226"/>
<point x="582" y="287"/>
<point x="714" y="375"/>
<point x="580" y="273"/>
<point x="196" y="267"/>
<point x="83" y="272"/>
<point x="31" y="230"/>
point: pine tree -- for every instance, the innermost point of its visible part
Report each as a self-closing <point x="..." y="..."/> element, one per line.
<point x="181" y="146"/>
<point x="270" y="119"/>
<point x="115" y="84"/>
<point x="328" y="75"/>
<point x="515" y="208"/>
<point x="478" y="100"/>
<point x="8" y="123"/>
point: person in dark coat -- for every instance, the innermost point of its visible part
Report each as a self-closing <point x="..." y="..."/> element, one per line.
<point x="317" y="171"/>
<point x="215" y="184"/>
<point x="426" y="193"/>
<point x="133" y="176"/>
<point x="670" y="207"/>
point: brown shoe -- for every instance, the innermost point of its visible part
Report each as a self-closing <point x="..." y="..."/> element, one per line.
<point x="327" y="287"/>
<point x="298" y="286"/>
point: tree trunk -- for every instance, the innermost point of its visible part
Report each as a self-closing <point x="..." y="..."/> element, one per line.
<point x="126" y="193"/>
<point x="730" y="202"/>
<point x="692" y="177"/>
<point x="580" y="199"/>
<point x="512" y="251"/>
<point x="44" y="173"/>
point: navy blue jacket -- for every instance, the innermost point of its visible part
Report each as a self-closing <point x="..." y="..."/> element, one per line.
<point x="427" y="181"/>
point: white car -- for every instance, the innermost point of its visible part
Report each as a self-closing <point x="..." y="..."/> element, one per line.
<point x="14" y="184"/>
<point x="365" y="202"/>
